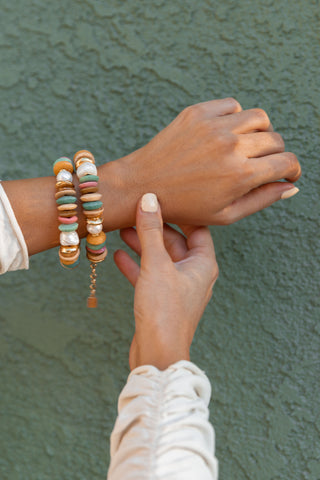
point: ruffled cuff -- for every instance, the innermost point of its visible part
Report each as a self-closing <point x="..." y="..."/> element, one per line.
<point x="162" y="430"/>
<point x="13" y="248"/>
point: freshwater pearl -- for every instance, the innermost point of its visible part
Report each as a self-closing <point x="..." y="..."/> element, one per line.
<point x="64" y="176"/>
<point x="94" y="229"/>
<point x="86" y="169"/>
<point x="69" y="238"/>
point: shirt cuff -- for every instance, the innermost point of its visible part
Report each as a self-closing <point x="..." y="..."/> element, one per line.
<point x="163" y="430"/>
<point x="13" y="248"/>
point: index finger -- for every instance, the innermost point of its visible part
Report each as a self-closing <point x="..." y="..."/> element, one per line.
<point x="199" y="239"/>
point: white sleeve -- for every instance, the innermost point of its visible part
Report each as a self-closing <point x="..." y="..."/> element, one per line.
<point x="162" y="430"/>
<point x="13" y="248"/>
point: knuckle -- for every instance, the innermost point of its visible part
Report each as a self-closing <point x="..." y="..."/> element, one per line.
<point x="246" y="170"/>
<point x="226" y="217"/>
<point x="293" y="164"/>
<point x="262" y="116"/>
<point x="192" y="113"/>
<point x="226" y="141"/>
<point x="279" y="141"/>
<point x="234" y="103"/>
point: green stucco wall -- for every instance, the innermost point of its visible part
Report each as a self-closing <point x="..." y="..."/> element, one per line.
<point x="108" y="75"/>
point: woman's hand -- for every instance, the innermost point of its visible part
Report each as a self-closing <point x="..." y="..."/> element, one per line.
<point x="172" y="286"/>
<point x="214" y="164"/>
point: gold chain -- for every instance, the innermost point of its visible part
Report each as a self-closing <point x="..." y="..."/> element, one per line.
<point x="92" y="300"/>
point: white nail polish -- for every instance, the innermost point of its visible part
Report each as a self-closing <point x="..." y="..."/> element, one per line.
<point x="149" y="203"/>
<point x="289" y="193"/>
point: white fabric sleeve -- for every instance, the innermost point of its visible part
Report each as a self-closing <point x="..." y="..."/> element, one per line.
<point x="13" y="248"/>
<point x="162" y="430"/>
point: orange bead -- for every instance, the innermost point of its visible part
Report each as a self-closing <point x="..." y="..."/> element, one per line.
<point x="64" y="164"/>
<point x="96" y="239"/>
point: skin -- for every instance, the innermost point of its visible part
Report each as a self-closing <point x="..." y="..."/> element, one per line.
<point x="213" y="165"/>
<point x="173" y="285"/>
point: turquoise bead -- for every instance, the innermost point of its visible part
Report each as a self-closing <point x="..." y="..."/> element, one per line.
<point x="92" y="205"/>
<point x="96" y="247"/>
<point x="66" y="199"/>
<point x="71" y="227"/>
<point x="89" y="178"/>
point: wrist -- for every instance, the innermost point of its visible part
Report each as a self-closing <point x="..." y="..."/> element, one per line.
<point x="119" y="191"/>
<point x="162" y="359"/>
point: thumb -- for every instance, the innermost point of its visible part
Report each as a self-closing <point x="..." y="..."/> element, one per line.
<point x="150" y="229"/>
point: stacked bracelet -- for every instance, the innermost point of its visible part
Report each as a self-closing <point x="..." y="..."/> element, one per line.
<point x="69" y="252"/>
<point x="93" y="211"/>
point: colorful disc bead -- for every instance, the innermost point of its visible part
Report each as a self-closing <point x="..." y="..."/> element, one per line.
<point x="66" y="199"/>
<point x="88" y="178"/>
<point x="92" y="205"/>
<point x="71" y="227"/>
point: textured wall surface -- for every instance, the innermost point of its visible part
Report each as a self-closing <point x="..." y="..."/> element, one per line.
<point x="108" y="75"/>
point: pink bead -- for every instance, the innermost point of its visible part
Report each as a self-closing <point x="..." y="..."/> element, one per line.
<point x="66" y="220"/>
<point x="88" y="184"/>
<point x="96" y="251"/>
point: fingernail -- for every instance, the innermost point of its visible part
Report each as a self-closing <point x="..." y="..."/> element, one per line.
<point x="149" y="203"/>
<point x="289" y="193"/>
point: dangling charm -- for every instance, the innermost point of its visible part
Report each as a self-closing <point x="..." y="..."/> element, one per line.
<point x="92" y="301"/>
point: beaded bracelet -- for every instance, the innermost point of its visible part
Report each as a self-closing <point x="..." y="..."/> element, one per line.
<point x="69" y="252"/>
<point x="93" y="211"/>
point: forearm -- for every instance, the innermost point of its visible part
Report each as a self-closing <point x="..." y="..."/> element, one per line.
<point x="35" y="208"/>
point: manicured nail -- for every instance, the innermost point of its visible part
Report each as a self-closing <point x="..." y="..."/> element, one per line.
<point x="289" y="193"/>
<point x="149" y="203"/>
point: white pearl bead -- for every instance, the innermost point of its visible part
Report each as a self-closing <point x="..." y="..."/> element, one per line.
<point x="64" y="176"/>
<point x="69" y="238"/>
<point x="86" y="169"/>
<point x="94" y="229"/>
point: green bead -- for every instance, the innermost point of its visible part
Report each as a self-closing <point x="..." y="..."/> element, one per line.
<point x="96" y="247"/>
<point x="89" y="178"/>
<point x="92" y="205"/>
<point x="66" y="199"/>
<point x="71" y="227"/>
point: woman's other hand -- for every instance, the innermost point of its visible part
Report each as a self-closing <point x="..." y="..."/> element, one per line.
<point x="173" y="284"/>
<point x="213" y="165"/>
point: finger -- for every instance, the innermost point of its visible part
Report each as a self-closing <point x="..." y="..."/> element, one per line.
<point x="199" y="239"/>
<point x="127" y="266"/>
<point x="174" y="241"/>
<point x="275" y="167"/>
<point x="130" y="237"/>
<point x="150" y="231"/>
<point x="257" y="199"/>
<point x="246" y="121"/>
<point x="260" y="144"/>
<point x="217" y="108"/>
